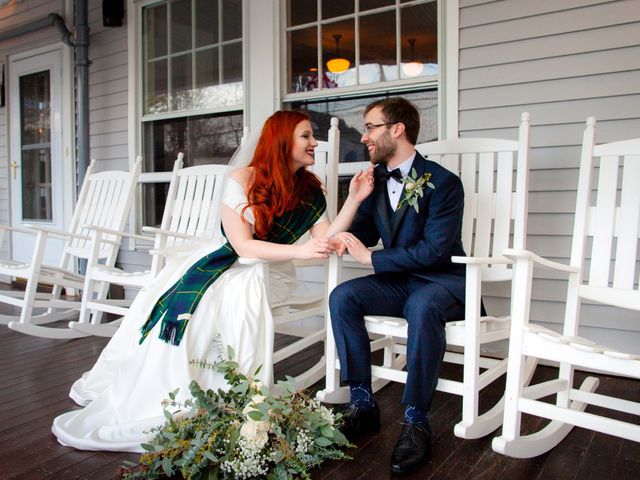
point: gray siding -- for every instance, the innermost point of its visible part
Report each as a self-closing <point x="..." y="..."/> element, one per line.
<point x="562" y="62"/>
<point x="108" y="110"/>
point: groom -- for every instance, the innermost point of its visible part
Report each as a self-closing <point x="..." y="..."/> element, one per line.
<point x="413" y="275"/>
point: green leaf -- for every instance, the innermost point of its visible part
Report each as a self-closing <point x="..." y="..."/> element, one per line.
<point x="166" y="466"/>
<point x="148" y="447"/>
<point x="257" y="415"/>
<point x="327" y="431"/>
<point x="210" y="456"/>
<point x="172" y="395"/>
<point x="323" y="442"/>
<point x="414" y="174"/>
<point x="213" y="474"/>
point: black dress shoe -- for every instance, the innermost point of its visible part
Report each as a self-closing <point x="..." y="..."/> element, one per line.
<point x="412" y="449"/>
<point x="358" y="421"/>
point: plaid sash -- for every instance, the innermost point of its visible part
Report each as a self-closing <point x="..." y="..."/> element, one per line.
<point x="176" y="306"/>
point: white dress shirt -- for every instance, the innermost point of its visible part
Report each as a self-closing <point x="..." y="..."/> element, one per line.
<point x="394" y="188"/>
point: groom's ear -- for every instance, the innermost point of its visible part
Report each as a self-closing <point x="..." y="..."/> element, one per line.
<point x="398" y="130"/>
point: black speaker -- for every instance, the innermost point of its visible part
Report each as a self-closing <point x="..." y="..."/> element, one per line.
<point x="112" y="13"/>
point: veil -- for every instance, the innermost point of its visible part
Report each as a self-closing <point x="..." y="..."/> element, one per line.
<point x="240" y="158"/>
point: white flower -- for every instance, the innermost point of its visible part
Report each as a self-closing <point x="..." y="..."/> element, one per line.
<point x="409" y="186"/>
<point x="255" y="433"/>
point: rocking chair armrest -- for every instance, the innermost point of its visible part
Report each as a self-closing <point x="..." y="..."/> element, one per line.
<point x="502" y="260"/>
<point x="18" y="229"/>
<point x="117" y="233"/>
<point x="168" y="233"/>
<point x="54" y="232"/>
<point x="540" y="261"/>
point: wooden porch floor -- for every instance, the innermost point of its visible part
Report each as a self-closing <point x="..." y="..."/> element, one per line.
<point x="37" y="373"/>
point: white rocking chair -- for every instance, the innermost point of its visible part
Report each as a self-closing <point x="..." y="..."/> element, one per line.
<point x="495" y="214"/>
<point x="105" y="199"/>
<point x="288" y="315"/>
<point x="603" y="270"/>
<point x="187" y="216"/>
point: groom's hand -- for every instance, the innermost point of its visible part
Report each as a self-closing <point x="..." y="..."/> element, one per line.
<point x="355" y="247"/>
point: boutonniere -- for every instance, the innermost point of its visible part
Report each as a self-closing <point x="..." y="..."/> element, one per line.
<point x="414" y="188"/>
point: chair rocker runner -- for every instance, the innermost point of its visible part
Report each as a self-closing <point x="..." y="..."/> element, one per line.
<point x="104" y="200"/>
<point x="188" y="216"/>
<point x="495" y="211"/>
<point x="602" y="269"/>
<point x="287" y="315"/>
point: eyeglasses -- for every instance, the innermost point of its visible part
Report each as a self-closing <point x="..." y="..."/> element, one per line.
<point x="370" y="127"/>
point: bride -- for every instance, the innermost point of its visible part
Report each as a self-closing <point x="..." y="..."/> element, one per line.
<point x="203" y="301"/>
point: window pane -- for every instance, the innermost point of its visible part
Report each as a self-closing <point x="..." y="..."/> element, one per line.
<point x="36" y="184"/>
<point x="302" y="11"/>
<point x="35" y="108"/>
<point x="331" y="8"/>
<point x="155" y="31"/>
<point x="207" y="71"/>
<point x="371" y="4"/>
<point x="338" y="42"/>
<point x="232" y="63"/>
<point x="232" y="15"/>
<point x="303" y="52"/>
<point x="378" y="48"/>
<point x="156" y="87"/>
<point x="206" y="22"/>
<point x="181" y="82"/>
<point x="419" y="40"/>
<point x="202" y="139"/>
<point x="180" y="25"/>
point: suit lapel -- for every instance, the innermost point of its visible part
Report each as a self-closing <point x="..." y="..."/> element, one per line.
<point x="418" y="164"/>
<point x="381" y="205"/>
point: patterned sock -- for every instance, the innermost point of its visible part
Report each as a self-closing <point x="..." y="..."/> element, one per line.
<point x="361" y="395"/>
<point x="417" y="415"/>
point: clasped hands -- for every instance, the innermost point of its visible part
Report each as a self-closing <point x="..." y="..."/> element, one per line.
<point x="344" y="241"/>
<point x="339" y="243"/>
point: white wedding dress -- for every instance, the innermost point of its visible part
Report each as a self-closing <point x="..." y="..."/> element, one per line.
<point x="122" y="394"/>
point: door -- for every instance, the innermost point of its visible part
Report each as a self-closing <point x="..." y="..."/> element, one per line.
<point x="35" y="162"/>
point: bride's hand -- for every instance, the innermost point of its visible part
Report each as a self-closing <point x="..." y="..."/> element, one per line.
<point x="361" y="185"/>
<point x="315" y="248"/>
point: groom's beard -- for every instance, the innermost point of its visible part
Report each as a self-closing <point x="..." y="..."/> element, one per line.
<point x="385" y="148"/>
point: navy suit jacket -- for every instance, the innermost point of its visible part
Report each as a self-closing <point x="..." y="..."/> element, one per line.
<point x="420" y="243"/>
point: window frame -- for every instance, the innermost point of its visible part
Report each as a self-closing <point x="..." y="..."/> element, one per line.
<point x="446" y="81"/>
<point x="136" y="116"/>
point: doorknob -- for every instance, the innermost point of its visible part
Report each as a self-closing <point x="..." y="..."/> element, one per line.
<point x="14" y="166"/>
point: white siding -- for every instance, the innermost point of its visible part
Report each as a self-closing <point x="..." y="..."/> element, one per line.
<point x="561" y="61"/>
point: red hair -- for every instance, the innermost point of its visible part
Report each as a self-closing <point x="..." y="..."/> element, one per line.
<point x="276" y="187"/>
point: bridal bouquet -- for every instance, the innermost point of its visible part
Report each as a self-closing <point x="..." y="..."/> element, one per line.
<point x="240" y="433"/>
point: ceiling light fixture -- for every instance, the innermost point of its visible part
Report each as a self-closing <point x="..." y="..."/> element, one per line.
<point x="338" y="64"/>
<point x="413" y="68"/>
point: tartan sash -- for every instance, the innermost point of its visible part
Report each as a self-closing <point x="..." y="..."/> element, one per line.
<point x="176" y="306"/>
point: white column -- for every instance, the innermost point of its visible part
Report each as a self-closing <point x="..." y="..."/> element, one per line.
<point x="262" y="60"/>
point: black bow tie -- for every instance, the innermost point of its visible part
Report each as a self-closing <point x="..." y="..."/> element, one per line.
<point x="384" y="174"/>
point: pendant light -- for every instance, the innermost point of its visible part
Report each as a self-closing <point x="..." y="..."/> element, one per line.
<point x="338" y="64"/>
<point x="413" y="68"/>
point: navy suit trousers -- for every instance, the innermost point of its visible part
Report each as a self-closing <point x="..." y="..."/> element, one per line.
<point x="424" y="304"/>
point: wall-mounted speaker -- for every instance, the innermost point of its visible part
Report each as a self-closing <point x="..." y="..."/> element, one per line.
<point x="112" y="13"/>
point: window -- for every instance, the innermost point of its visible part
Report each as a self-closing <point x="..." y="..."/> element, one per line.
<point x="192" y="89"/>
<point x="353" y="43"/>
